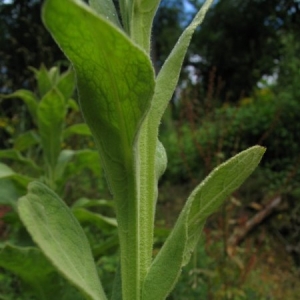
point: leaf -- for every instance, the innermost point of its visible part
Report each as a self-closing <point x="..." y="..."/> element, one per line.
<point x="70" y="163"/>
<point x="11" y="191"/>
<point x="113" y="104"/>
<point x="150" y="156"/>
<point x="167" y="78"/>
<point x="86" y="203"/>
<point x="12" y="185"/>
<point x="26" y="140"/>
<point x="31" y="266"/>
<point x="38" y="274"/>
<point x="63" y="162"/>
<point x="83" y="216"/>
<point x="51" y="114"/>
<point x="143" y="13"/>
<point x="45" y="79"/>
<point x="106" y="9"/>
<point x="116" y="84"/>
<point x="72" y="104"/>
<point x="53" y="74"/>
<point x="66" y="84"/>
<point x="204" y="200"/>
<point x="57" y="232"/>
<point x="78" y="161"/>
<point x="80" y="129"/>
<point x="106" y="247"/>
<point x="5" y="171"/>
<point x="29" y="99"/>
<point x="15" y="155"/>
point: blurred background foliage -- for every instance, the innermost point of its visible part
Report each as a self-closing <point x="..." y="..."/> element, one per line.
<point x="239" y="87"/>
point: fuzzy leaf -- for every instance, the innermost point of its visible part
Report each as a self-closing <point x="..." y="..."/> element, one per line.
<point x="115" y="81"/>
<point x="167" y="78"/>
<point x="141" y="20"/>
<point x="57" y="232"/>
<point x="204" y="200"/>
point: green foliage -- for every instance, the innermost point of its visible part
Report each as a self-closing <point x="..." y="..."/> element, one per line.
<point x="40" y="154"/>
<point x="122" y="103"/>
<point x="56" y="230"/>
<point x="243" y="54"/>
<point x="48" y="109"/>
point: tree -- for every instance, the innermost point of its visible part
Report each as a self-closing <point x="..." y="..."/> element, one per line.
<point x="24" y="42"/>
<point x="242" y="39"/>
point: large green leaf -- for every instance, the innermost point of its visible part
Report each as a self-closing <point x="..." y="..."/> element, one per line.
<point x="115" y="81"/>
<point x="51" y="114"/>
<point x="57" y="232"/>
<point x="204" y="200"/>
<point x="116" y="84"/>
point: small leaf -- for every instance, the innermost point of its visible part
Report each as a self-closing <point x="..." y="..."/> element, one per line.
<point x="12" y="185"/>
<point x="31" y="266"/>
<point x="80" y="129"/>
<point x="86" y="203"/>
<point x="141" y="21"/>
<point x="51" y="114"/>
<point x="107" y="246"/>
<point x="204" y="200"/>
<point x="106" y="9"/>
<point x="46" y="79"/>
<point x="26" y="140"/>
<point x="72" y="104"/>
<point x="57" y="232"/>
<point x="82" y="159"/>
<point x="29" y="99"/>
<point x="5" y="171"/>
<point x="66" y="84"/>
<point x="15" y="155"/>
<point x="83" y="215"/>
<point x="70" y="163"/>
<point x="11" y="191"/>
<point x="167" y="78"/>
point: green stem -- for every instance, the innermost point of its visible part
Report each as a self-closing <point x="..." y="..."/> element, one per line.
<point x="128" y="223"/>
